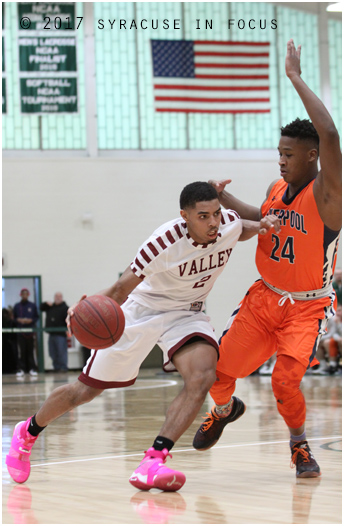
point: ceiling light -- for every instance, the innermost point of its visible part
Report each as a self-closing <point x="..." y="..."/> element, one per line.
<point x="334" y="8"/>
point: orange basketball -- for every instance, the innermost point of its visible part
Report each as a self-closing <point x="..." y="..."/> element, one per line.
<point x="98" y="322"/>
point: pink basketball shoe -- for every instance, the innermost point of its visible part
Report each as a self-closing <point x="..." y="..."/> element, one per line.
<point x="18" y="459"/>
<point x="152" y="473"/>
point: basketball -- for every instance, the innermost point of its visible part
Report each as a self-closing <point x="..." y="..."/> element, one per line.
<point x="98" y="322"/>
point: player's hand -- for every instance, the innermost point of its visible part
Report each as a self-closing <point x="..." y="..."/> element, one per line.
<point x="292" y="60"/>
<point x="70" y="311"/>
<point x="219" y="185"/>
<point x="267" y="223"/>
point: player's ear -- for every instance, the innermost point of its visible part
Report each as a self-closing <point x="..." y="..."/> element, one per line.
<point x="184" y="215"/>
<point x="313" y="154"/>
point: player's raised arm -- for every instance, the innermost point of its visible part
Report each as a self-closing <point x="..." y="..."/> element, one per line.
<point x="328" y="185"/>
<point x="228" y="200"/>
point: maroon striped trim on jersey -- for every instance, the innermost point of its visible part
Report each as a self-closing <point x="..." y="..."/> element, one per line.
<point x="177" y="229"/>
<point x="136" y="272"/>
<point x="161" y="243"/>
<point x="232" y="216"/>
<point x="138" y="264"/>
<point x="152" y="248"/>
<point x="203" y="245"/>
<point x="170" y="237"/>
<point x="144" y="255"/>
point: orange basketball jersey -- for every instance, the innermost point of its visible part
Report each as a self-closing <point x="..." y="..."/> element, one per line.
<point x="303" y="255"/>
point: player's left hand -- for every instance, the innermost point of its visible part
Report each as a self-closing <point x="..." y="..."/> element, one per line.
<point x="268" y="222"/>
<point x="292" y="60"/>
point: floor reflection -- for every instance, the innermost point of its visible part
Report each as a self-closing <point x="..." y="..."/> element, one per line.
<point x="158" y="508"/>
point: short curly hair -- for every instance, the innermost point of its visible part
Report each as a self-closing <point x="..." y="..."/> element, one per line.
<point x="303" y="130"/>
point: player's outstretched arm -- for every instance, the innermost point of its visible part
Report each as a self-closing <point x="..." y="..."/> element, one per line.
<point x="228" y="200"/>
<point x="328" y="185"/>
<point x="123" y="286"/>
<point x="252" y="228"/>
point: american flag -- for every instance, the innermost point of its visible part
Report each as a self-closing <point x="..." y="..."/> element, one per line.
<point x="201" y="76"/>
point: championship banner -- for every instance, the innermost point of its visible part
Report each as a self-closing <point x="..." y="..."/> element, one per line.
<point x="47" y="54"/>
<point x="49" y="95"/>
<point x="37" y="16"/>
<point x="47" y="58"/>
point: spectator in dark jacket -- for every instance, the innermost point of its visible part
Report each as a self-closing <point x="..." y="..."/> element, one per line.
<point x="56" y="314"/>
<point x="25" y="315"/>
<point x="9" y="343"/>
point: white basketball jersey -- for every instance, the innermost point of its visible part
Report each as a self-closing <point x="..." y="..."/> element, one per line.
<point x="178" y="273"/>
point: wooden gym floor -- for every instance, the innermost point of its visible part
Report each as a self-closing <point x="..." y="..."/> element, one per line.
<point x="81" y="463"/>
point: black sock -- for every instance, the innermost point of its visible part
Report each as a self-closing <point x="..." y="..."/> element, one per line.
<point x="161" y="443"/>
<point x="34" y="429"/>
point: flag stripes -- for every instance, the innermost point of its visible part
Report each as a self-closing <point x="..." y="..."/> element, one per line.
<point x="194" y="76"/>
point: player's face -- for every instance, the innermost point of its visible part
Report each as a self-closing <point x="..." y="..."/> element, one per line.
<point x="203" y="221"/>
<point x="296" y="160"/>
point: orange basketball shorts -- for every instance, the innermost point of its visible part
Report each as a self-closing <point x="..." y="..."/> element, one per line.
<point x="257" y="329"/>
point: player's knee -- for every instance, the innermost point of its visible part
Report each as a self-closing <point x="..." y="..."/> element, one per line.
<point x="201" y="381"/>
<point x="286" y="378"/>
<point x="284" y="389"/>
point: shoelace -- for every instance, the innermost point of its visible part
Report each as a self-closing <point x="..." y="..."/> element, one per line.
<point x="303" y="452"/>
<point x="208" y="421"/>
<point x="286" y="296"/>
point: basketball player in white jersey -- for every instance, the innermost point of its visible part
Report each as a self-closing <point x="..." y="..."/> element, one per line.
<point x="162" y="294"/>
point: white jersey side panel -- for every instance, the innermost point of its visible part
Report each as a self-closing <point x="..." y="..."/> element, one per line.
<point x="177" y="271"/>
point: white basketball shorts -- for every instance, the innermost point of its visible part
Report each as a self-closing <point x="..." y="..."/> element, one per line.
<point x="118" y="365"/>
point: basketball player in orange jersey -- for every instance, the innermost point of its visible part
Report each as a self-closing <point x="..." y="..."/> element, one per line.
<point x="288" y="308"/>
